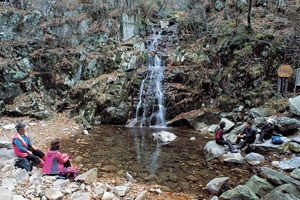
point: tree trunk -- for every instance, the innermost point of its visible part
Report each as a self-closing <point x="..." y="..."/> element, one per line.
<point x="249" y="15"/>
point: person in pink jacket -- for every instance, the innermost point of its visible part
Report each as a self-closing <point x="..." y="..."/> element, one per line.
<point x="55" y="160"/>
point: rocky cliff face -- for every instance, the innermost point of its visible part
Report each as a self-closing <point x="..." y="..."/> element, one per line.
<point x="86" y="57"/>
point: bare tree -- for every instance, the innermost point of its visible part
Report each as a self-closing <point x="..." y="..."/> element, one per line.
<point x="249" y="15"/>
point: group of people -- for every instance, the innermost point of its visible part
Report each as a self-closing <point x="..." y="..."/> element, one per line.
<point x="52" y="163"/>
<point x="248" y="136"/>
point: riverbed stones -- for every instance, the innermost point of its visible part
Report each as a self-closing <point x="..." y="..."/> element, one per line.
<point x="289" y="165"/>
<point x="121" y="190"/>
<point x="259" y="186"/>
<point x="255" y="158"/>
<point x="54" y="194"/>
<point x="88" y="177"/>
<point x="294" y="105"/>
<point x="81" y="196"/>
<point x="218" y="185"/>
<point x="164" y="136"/>
<point x="233" y="158"/>
<point x="239" y="192"/>
<point x="142" y="195"/>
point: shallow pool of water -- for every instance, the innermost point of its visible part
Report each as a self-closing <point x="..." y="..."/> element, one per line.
<point x="180" y="166"/>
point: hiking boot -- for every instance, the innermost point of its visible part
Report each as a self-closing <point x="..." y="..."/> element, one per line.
<point x="259" y="142"/>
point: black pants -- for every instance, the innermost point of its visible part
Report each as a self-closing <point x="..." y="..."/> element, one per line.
<point x="264" y="135"/>
<point x="245" y="142"/>
<point x="36" y="155"/>
<point x="227" y="142"/>
<point x="67" y="164"/>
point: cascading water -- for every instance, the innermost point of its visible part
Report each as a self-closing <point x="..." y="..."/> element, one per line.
<point x="150" y="110"/>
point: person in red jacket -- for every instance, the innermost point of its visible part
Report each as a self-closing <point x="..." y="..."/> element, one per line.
<point x="220" y="139"/>
<point x="23" y="146"/>
<point x="55" y="160"/>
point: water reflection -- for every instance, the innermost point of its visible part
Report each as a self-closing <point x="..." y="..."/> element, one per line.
<point x="180" y="165"/>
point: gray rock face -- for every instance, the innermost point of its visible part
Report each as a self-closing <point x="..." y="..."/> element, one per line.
<point x="286" y="191"/>
<point x="255" y="158"/>
<point x="213" y="150"/>
<point x="289" y="165"/>
<point x="218" y="185"/>
<point x="278" y="178"/>
<point x="259" y="112"/>
<point x="294" y="104"/>
<point x="239" y="192"/>
<point x="88" y="177"/>
<point x="259" y="186"/>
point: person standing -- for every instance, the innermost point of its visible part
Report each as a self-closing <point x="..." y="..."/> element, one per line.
<point x="248" y="136"/>
<point x="220" y="139"/>
<point x="266" y="131"/>
<point x="23" y="146"/>
<point x="55" y="160"/>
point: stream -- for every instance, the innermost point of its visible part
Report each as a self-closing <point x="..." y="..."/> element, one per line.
<point x="181" y="165"/>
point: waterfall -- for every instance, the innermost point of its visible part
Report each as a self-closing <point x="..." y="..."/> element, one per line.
<point x="150" y="108"/>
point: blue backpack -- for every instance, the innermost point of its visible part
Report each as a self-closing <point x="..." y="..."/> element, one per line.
<point x="276" y="140"/>
<point x="24" y="164"/>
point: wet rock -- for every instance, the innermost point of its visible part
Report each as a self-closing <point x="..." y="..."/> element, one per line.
<point x="218" y="185"/>
<point x="295" y="174"/>
<point x="88" y="177"/>
<point x="239" y="192"/>
<point x="229" y="124"/>
<point x="164" y="137"/>
<point x="259" y="112"/>
<point x="255" y="158"/>
<point x="81" y="196"/>
<point x="234" y="158"/>
<point x="286" y="124"/>
<point x="54" y="194"/>
<point x="259" y="186"/>
<point x="289" y="165"/>
<point x="277" y="178"/>
<point x="142" y="195"/>
<point x="213" y="150"/>
<point x="294" y="105"/>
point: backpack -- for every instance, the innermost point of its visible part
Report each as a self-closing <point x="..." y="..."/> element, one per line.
<point x="24" y="164"/>
<point x="276" y="140"/>
<point x="69" y="172"/>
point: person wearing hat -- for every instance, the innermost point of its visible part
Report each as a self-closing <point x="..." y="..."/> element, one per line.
<point x="23" y="146"/>
<point x="55" y="160"/>
<point x="266" y="131"/>
<point x="248" y="135"/>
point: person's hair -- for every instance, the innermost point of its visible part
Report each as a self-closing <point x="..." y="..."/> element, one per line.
<point x="249" y="122"/>
<point x="222" y="124"/>
<point x="55" y="144"/>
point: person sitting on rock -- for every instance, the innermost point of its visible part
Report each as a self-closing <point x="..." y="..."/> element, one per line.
<point x="23" y="146"/>
<point x="220" y="139"/>
<point x="55" y="160"/>
<point x="248" y="135"/>
<point x="266" y="131"/>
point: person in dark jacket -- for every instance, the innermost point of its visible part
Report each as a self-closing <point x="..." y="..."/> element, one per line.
<point x="266" y="131"/>
<point x="220" y="139"/>
<point x="248" y="136"/>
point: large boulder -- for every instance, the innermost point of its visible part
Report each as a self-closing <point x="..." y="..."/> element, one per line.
<point x="294" y="104"/>
<point x="290" y="165"/>
<point x="229" y="124"/>
<point x="286" y="191"/>
<point x="164" y="137"/>
<point x="255" y="158"/>
<point x="239" y="192"/>
<point x="277" y="178"/>
<point x="259" y="112"/>
<point x="259" y="185"/>
<point x="213" y="150"/>
<point x="88" y="177"/>
<point x="284" y="124"/>
<point x="218" y="185"/>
